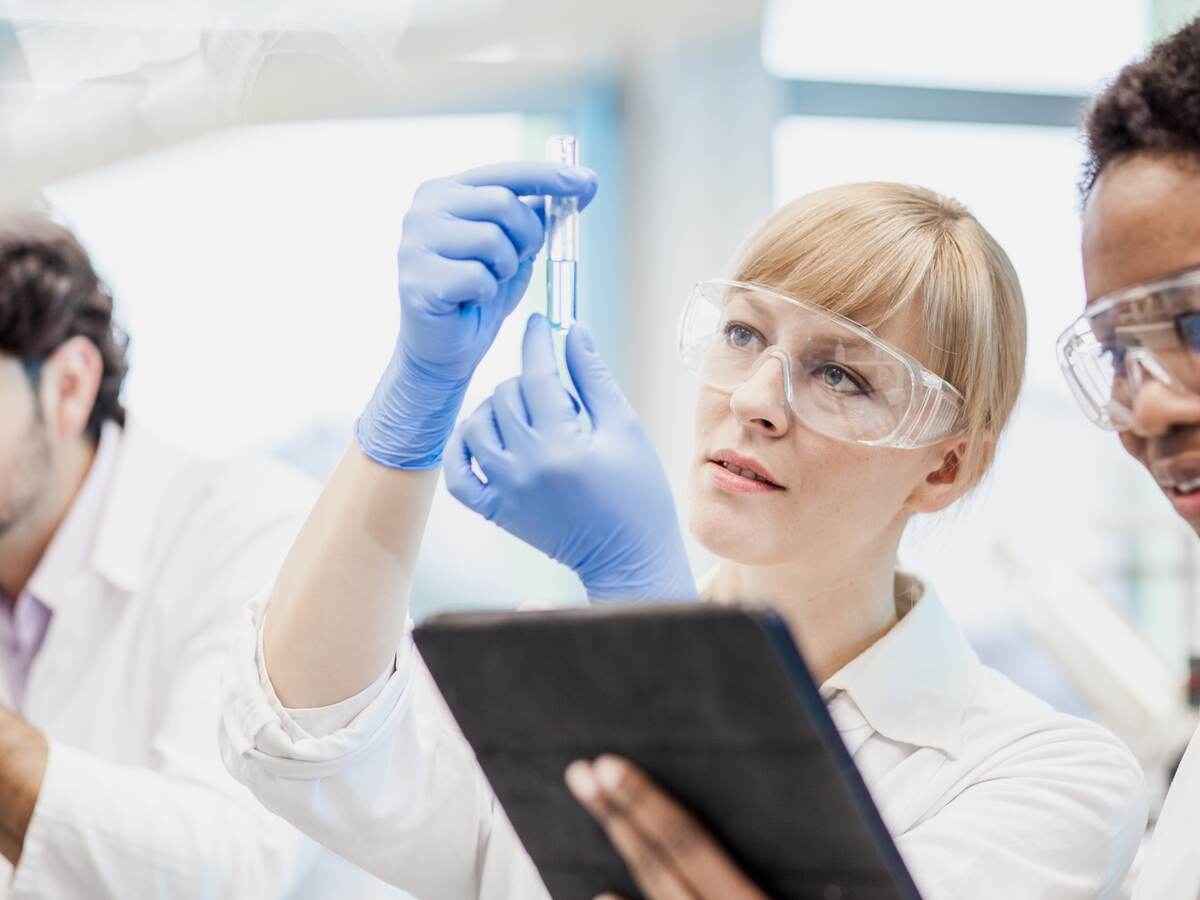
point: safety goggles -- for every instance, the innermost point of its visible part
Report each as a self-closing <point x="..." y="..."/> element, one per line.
<point x="1151" y="331"/>
<point x="838" y="377"/>
<point x="33" y="368"/>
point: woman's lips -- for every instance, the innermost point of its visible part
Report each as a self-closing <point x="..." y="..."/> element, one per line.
<point x="727" y="480"/>
<point x="744" y="465"/>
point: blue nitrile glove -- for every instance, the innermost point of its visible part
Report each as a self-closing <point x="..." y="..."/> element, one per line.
<point x="597" y="502"/>
<point x="466" y="253"/>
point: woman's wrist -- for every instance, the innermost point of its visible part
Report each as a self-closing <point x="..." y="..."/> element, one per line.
<point x="411" y="415"/>
<point x="665" y="578"/>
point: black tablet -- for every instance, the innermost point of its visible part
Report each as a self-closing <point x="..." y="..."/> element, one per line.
<point x="713" y="702"/>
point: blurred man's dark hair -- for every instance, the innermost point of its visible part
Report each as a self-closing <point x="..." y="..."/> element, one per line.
<point x="1153" y="106"/>
<point x="49" y="293"/>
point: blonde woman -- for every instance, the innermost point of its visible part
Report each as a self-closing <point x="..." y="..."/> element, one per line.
<point x="857" y="369"/>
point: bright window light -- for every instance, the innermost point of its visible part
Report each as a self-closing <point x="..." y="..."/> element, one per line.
<point x="256" y="269"/>
<point x="1066" y="46"/>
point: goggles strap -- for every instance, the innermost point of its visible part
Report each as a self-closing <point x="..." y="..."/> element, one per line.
<point x="917" y="418"/>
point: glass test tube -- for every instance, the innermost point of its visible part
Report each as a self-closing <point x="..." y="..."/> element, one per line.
<point x="562" y="239"/>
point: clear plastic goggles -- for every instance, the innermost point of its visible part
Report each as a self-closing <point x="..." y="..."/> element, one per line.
<point x="838" y="377"/>
<point x="1151" y="331"/>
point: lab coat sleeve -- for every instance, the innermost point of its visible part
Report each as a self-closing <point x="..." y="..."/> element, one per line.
<point x="179" y="827"/>
<point x="1057" y="818"/>
<point x="396" y="791"/>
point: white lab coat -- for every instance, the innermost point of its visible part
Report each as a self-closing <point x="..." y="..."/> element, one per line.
<point x="1171" y="869"/>
<point x="990" y="794"/>
<point x="135" y="804"/>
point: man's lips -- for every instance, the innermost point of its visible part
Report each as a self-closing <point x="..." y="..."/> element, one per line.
<point x="1178" y="474"/>
<point x="1179" y="477"/>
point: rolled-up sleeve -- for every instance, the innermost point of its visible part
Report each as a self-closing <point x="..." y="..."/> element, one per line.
<point x="385" y="778"/>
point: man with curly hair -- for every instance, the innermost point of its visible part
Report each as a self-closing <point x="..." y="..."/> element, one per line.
<point x="1133" y="357"/>
<point x="123" y="566"/>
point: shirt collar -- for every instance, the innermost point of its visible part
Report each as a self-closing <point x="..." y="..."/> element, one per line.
<point x="914" y="684"/>
<point x="144" y="472"/>
<point x="69" y="550"/>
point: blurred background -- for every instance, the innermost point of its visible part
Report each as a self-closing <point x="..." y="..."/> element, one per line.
<point x="239" y="171"/>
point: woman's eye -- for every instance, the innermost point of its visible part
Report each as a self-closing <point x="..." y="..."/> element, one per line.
<point x="740" y="336"/>
<point x="840" y="380"/>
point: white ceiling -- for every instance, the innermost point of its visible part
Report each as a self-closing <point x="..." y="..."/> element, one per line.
<point x="103" y="80"/>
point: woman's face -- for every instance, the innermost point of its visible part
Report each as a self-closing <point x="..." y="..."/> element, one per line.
<point x="825" y="501"/>
<point x="1142" y="222"/>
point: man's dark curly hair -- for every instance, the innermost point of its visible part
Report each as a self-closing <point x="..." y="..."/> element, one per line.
<point x="49" y="293"/>
<point x="1153" y="106"/>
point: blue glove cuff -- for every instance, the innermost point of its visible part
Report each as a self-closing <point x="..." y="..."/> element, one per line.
<point x="411" y="415"/>
<point x="668" y="580"/>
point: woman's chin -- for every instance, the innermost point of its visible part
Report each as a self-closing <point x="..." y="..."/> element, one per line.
<point x="724" y="534"/>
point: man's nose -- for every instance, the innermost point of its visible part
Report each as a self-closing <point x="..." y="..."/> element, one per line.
<point x="1160" y="403"/>
<point x="761" y="400"/>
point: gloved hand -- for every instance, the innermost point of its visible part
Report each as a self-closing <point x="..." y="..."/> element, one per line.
<point x="597" y="502"/>
<point x="466" y="253"/>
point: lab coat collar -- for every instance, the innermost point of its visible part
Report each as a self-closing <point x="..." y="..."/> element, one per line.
<point x="143" y="473"/>
<point x="914" y="684"/>
<point x="70" y="549"/>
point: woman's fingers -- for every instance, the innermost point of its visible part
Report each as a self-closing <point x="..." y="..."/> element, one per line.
<point x="461" y="481"/>
<point x="439" y="286"/>
<point x="530" y="178"/>
<point x="551" y="407"/>
<point x="512" y="418"/>
<point x="461" y="239"/>
<point x="599" y="391"/>
<point x="498" y="204"/>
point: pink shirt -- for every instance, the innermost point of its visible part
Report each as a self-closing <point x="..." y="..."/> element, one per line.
<point x="23" y="624"/>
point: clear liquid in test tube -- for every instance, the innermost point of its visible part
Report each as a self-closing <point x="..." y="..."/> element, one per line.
<point x="562" y="240"/>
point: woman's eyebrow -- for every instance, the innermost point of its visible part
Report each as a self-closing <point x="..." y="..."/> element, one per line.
<point x="756" y="303"/>
<point x="779" y="313"/>
<point x="843" y="342"/>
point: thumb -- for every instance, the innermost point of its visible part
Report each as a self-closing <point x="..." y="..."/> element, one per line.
<point x="600" y="394"/>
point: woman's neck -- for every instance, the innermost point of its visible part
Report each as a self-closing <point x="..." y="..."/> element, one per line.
<point x="833" y="615"/>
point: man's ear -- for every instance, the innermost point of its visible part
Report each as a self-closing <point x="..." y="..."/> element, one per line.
<point x="67" y="386"/>
<point x="951" y="477"/>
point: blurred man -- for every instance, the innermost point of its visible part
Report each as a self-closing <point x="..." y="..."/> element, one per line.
<point x="1133" y="356"/>
<point x="122" y="565"/>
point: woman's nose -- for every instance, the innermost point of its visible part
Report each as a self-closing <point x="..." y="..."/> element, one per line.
<point x="761" y="400"/>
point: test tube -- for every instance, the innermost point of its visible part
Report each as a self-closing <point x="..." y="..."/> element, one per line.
<point x="562" y="239"/>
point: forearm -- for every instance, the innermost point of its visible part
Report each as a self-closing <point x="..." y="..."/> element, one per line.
<point x="338" y="609"/>
<point x="466" y="253"/>
<point x="23" y="753"/>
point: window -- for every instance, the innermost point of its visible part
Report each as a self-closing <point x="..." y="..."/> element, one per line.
<point x="1068" y="46"/>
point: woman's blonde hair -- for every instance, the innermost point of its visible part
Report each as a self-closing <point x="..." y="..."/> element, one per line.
<point x="870" y="250"/>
